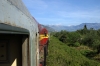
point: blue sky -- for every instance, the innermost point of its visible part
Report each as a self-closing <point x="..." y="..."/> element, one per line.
<point x="64" y="12"/>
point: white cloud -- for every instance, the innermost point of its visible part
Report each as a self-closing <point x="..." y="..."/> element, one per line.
<point x="61" y="12"/>
<point x="79" y="14"/>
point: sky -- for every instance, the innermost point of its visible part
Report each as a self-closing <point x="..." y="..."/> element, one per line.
<point x="64" y="12"/>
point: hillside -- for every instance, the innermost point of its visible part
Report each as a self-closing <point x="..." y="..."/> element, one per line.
<point x="62" y="55"/>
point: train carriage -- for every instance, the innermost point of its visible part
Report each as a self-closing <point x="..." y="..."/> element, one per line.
<point x="43" y="44"/>
<point x="19" y="37"/>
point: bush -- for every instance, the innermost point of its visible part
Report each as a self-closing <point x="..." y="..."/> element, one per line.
<point x="96" y="45"/>
<point x="88" y="40"/>
<point x="77" y="44"/>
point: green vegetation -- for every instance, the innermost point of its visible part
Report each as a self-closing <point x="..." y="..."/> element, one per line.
<point x="90" y="38"/>
<point x="79" y="48"/>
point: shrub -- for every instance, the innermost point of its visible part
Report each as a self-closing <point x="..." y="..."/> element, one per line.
<point x="77" y="44"/>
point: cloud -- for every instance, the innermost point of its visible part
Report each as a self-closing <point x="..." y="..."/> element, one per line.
<point x="62" y="11"/>
<point x="79" y="14"/>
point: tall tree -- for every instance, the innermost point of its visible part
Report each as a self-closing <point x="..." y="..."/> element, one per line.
<point x="85" y="27"/>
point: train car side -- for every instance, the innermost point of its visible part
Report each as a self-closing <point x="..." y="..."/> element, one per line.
<point x="18" y="35"/>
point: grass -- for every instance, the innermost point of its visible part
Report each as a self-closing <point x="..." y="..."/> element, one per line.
<point x="62" y="55"/>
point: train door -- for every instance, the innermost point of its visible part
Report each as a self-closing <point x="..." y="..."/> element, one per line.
<point x="14" y="50"/>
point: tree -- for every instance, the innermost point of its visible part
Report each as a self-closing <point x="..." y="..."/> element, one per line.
<point x="85" y="27"/>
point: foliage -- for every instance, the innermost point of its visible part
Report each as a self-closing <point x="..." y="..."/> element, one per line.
<point x="77" y="44"/>
<point x="88" y="37"/>
<point x="62" y="55"/>
<point x="78" y="48"/>
<point x="69" y="38"/>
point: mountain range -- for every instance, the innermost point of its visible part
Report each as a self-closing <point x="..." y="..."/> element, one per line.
<point x="51" y="28"/>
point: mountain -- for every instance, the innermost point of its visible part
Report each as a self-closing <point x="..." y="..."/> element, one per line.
<point x="48" y="28"/>
<point x="95" y="26"/>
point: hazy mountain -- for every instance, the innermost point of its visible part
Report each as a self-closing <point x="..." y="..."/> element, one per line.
<point x="77" y="27"/>
<point x="48" y="28"/>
